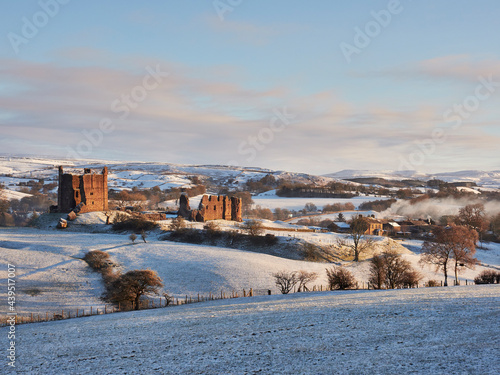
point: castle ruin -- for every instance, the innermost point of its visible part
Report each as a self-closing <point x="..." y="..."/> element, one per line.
<point x="82" y="193"/>
<point x="211" y="207"/>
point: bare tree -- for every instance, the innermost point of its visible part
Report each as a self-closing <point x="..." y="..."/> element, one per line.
<point x="132" y="285"/>
<point x="303" y="278"/>
<point x="358" y="227"/>
<point x="464" y="248"/>
<point x="396" y="269"/>
<point x="391" y="271"/>
<point x="285" y="281"/>
<point x="377" y="272"/>
<point x="356" y="247"/>
<point x="474" y="216"/>
<point x="411" y="278"/>
<point x="449" y="243"/>
<point x="340" y="278"/>
<point x="310" y="207"/>
<point x="495" y="225"/>
<point x="144" y="236"/>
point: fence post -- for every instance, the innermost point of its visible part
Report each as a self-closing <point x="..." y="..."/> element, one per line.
<point x="251" y="292"/>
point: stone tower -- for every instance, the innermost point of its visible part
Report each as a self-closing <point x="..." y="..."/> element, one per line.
<point x="89" y="190"/>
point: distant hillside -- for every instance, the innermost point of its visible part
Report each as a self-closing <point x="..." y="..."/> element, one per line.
<point x="17" y="171"/>
<point x="481" y="178"/>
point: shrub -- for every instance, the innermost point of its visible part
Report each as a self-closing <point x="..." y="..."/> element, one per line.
<point x="270" y="239"/>
<point x="135" y="224"/>
<point x="488" y="277"/>
<point x="187" y="235"/>
<point x="212" y="230"/>
<point x="132" y="237"/>
<point x="432" y="283"/>
<point x="254" y="228"/>
<point x="310" y="252"/>
<point x="411" y="278"/>
<point x="285" y="281"/>
<point x="109" y="275"/>
<point x="97" y="260"/>
<point x="340" y="278"/>
<point x="177" y="224"/>
<point x="120" y="217"/>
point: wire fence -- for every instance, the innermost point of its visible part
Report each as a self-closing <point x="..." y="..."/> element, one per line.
<point x="169" y="301"/>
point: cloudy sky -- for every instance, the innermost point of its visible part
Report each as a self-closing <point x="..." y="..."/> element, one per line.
<point x="303" y="86"/>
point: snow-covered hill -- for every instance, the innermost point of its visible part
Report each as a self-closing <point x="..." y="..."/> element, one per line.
<point x="126" y="175"/>
<point x="16" y="171"/>
<point x="51" y="275"/>
<point x="481" y="178"/>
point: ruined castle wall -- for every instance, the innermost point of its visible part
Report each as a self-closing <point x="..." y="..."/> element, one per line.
<point x="236" y="210"/>
<point x="90" y="189"/>
<point x="94" y="190"/>
<point x="212" y="207"/>
<point x="69" y="192"/>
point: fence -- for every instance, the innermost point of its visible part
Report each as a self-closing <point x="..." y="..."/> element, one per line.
<point x="169" y="301"/>
<point x="120" y="307"/>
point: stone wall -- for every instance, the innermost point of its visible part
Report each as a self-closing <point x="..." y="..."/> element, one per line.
<point x="89" y="190"/>
<point x="212" y="207"/>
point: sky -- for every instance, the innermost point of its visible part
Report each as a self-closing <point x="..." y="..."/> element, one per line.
<point x="294" y="85"/>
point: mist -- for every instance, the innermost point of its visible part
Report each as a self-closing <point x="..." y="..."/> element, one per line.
<point x="435" y="208"/>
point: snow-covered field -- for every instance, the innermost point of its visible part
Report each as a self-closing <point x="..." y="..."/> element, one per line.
<point x="348" y="215"/>
<point x="271" y="200"/>
<point x="418" y="331"/>
<point x="51" y="275"/>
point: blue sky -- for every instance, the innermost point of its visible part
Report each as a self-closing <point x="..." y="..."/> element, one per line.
<point x="303" y="86"/>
